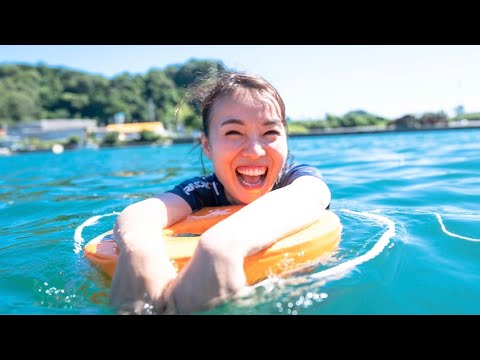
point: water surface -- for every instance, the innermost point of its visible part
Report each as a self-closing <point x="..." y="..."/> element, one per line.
<point x="408" y="202"/>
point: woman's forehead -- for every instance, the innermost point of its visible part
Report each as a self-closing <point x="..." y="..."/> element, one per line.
<point x="248" y="98"/>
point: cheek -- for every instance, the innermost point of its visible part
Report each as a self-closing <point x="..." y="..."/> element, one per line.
<point x="224" y="149"/>
<point x="280" y="149"/>
<point x="221" y="157"/>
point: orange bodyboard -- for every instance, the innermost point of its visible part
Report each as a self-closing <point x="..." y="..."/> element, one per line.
<point x="290" y="254"/>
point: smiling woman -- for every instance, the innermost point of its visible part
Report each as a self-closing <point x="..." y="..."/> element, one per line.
<point x="245" y="137"/>
<point x="253" y="141"/>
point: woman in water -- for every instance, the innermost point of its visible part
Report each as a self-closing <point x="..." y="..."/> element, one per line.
<point x="245" y="137"/>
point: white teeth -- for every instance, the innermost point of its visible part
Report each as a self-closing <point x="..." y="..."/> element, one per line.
<point x="257" y="171"/>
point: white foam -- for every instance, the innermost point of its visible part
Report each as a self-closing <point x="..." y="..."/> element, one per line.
<point x="350" y="264"/>
<point x="439" y="218"/>
<point x="369" y="255"/>
<point x="78" y="239"/>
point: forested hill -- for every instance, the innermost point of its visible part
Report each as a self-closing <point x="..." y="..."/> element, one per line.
<point x="30" y="92"/>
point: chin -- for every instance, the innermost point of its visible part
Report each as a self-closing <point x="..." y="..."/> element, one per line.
<point x="244" y="195"/>
<point x="249" y="198"/>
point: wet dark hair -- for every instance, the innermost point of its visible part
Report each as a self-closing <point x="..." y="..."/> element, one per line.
<point x="225" y="83"/>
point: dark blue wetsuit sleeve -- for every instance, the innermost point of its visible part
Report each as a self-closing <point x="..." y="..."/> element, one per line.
<point x="201" y="191"/>
<point x="294" y="172"/>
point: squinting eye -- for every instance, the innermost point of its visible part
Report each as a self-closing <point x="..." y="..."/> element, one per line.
<point x="232" y="132"/>
<point x="272" y="132"/>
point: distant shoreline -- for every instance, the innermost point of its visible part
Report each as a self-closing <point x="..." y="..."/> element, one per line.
<point x="355" y="130"/>
<point x="335" y="131"/>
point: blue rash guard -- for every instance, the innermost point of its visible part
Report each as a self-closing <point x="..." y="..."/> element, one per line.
<point x="202" y="191"/>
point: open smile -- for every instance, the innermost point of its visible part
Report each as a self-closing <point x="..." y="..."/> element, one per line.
<point x="251" y="176"/>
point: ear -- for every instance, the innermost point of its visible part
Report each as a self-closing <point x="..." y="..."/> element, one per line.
<point x="206" y="146"/>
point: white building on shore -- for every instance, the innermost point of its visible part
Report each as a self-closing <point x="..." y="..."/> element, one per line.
<point x="53" y="129"/>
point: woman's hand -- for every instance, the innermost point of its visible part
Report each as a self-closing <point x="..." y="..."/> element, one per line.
<point x="143" y="269"/>
<point x="142" y="273"/>
<point x="213" y="275"/>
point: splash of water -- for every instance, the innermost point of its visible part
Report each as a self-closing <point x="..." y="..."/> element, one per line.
<point x="340" y="269"/>
<point x="444" y="229"/>
<point x="78" y="239"/>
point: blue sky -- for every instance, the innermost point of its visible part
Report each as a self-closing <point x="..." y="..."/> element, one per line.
<point x="313" y="80"/>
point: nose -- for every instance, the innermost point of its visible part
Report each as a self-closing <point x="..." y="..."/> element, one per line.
<point x="254" y="149"/>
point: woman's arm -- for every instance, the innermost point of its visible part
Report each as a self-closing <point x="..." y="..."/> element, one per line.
<point x="143" y="269"/>
<point x="215" y="271"/>
<point x="272" y="217"/>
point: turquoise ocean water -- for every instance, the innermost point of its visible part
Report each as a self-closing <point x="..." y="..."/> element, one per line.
<point x="409" y="204"/>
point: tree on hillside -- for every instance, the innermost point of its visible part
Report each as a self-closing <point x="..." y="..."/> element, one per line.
<point x="30" y="92"/>
<point x="194" y="70"/>
<point x="126" y="95"/>
<point x="19" y="93"/>
<point x="164" y="96"/>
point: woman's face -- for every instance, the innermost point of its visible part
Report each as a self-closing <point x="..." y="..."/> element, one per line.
<point x="247" y="144"/>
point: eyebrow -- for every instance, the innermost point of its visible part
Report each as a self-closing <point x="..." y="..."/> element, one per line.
<point x="241" y="122"/>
